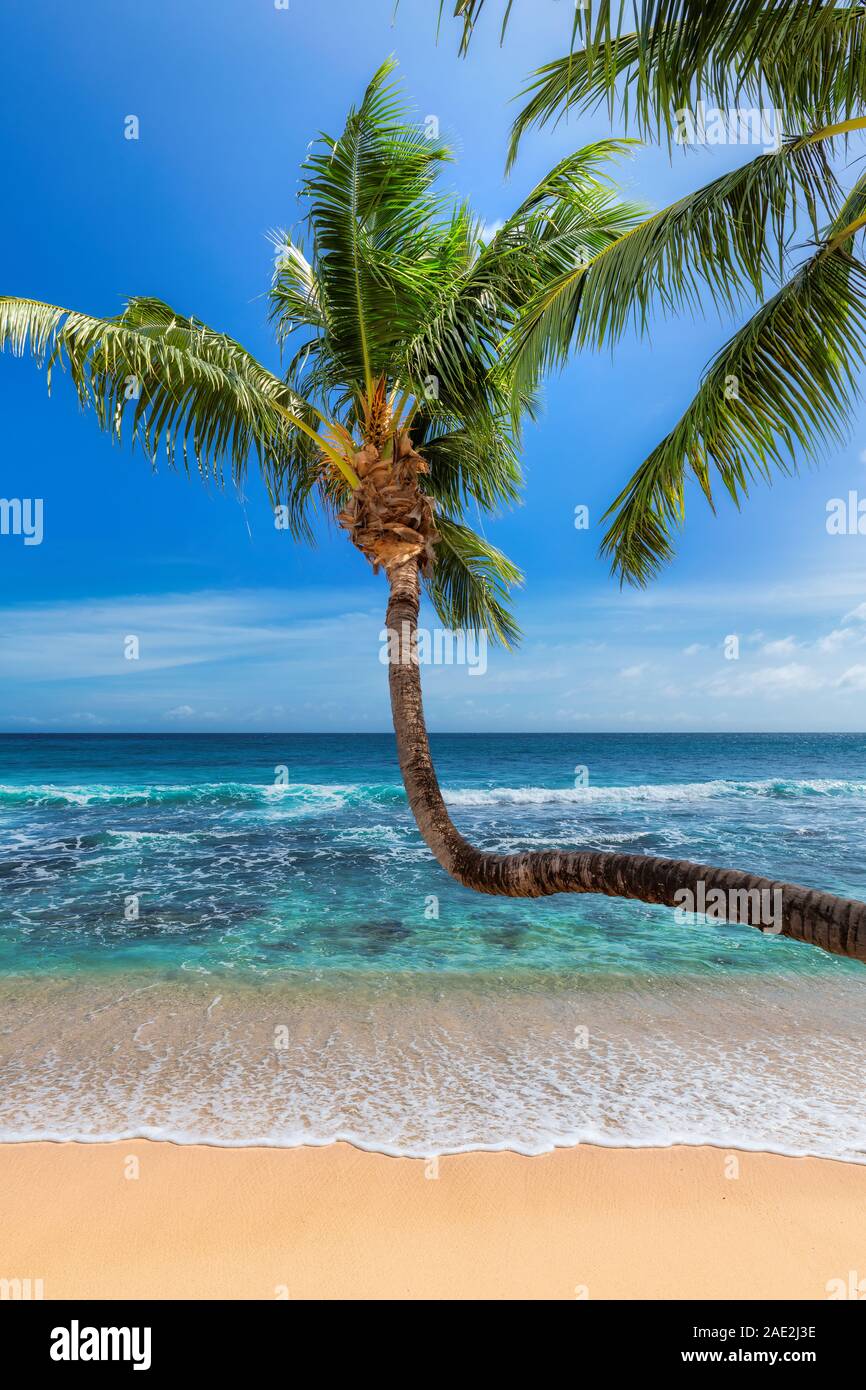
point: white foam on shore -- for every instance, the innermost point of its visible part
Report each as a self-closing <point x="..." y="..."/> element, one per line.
<point x="267" y="1141"/>
<point x="433" y="1067"/>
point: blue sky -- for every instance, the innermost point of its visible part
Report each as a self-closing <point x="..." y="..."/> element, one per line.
<point x="237" y="628"/>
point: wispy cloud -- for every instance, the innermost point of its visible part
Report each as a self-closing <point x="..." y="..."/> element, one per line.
<point x="274" y="659"/>
<point x="784" y="646"/>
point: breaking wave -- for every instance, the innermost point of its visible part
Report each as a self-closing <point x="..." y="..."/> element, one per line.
<point x="325" y="796"/>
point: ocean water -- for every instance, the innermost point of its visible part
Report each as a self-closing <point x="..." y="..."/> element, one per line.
<point x="242" y="939"/>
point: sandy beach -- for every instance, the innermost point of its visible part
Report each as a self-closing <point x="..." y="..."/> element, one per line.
<point x="157" y="1220"/>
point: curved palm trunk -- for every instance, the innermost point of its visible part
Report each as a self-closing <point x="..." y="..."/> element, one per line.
<point x="835" y="924"/>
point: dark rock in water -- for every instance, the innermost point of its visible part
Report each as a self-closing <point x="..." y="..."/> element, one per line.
<point x="378" y="936"/>
<point x="509" y="938"/>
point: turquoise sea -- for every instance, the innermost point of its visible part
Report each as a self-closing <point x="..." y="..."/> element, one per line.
<point x="242" y="938"/>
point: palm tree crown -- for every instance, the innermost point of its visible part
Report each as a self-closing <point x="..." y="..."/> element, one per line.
<point x="390" y="307"/>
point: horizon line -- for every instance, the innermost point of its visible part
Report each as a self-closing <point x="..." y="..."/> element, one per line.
<point x="442" y="733"/>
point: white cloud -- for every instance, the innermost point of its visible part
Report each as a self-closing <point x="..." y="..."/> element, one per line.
<point x="839" y="637"/>
<point x="853" y="679"/>
<point x="83" y="717"/>
<point x="309" y="659"/>
<point x="86" y="638"/>
<point x="774" y="680"/>
<point x="785" y="646"/>
<point x="767" y="681"/>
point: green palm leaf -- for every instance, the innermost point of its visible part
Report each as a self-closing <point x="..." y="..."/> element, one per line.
<point x="372" y="218"/>
<point x="782" y="387"/>
<point x="472" y="581"/>
<point x="726" y="238"/>
<point x="185" y="392"/>
<point x="573" y="213"/>
<point x="476" y="462"/>
<point x="808" y="61"/>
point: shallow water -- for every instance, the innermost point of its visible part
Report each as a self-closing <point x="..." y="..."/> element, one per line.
<point x="169" y="904"/>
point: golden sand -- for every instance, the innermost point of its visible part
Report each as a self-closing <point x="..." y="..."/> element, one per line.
<point x="158" y="1220"/>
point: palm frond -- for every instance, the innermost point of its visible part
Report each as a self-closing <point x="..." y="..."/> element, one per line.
<point x="296" y="295"/>
<point x="471" y="584"/>
<point x="783" y="386"/>
<point x="470" y="461"/>
<point x="726" y="238"/>
<point x="469" y="12"/>
<point x="572" y="214"/>
<point x="185" y="392"/>
<point x="373" y="208"/>
<point x="850" y="217"/>
<point x="805" y="58"/>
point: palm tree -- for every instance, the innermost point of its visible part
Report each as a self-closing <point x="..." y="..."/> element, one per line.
<point x="395" y="415"/>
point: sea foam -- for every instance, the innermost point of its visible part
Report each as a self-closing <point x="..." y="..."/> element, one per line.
<point x="328" y="795"/>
